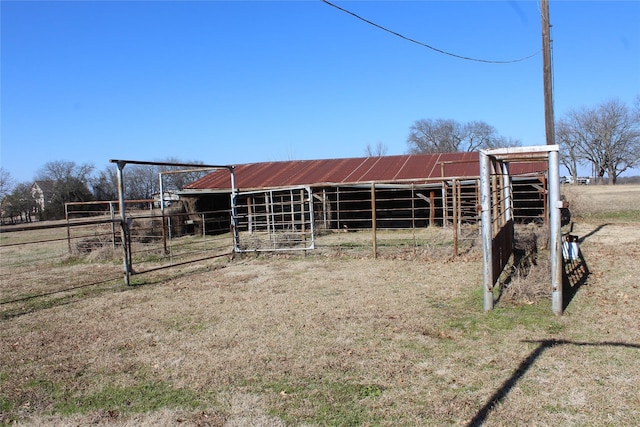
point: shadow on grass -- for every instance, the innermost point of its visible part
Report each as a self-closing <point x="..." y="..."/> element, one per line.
<point x="526" y="364"/>
<point x="592" y="232"/>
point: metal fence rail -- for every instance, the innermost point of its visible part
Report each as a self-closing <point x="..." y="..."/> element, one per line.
<point x="51" y="259"/>
<point x="379" y="219"/>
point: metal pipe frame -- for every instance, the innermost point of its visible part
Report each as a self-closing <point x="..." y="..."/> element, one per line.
<point x="551" y="153"/>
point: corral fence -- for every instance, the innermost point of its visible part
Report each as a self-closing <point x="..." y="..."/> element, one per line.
<point x="97" y="240"/>
<point x="50" y="261"/>
<point x="84" y="252"/>
<point x="156" y="237"/>
<point x="380" y="216"/>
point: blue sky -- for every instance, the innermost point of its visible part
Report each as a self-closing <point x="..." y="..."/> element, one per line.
<point x="237" y="82"/>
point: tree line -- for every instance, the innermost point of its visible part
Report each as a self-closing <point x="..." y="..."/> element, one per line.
<point x="66" y="181"/>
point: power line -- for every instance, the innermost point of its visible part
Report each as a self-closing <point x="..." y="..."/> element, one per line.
<point x="466" y="58"/>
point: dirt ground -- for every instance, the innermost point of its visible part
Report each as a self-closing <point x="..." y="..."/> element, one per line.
<point x="337" y="339"/>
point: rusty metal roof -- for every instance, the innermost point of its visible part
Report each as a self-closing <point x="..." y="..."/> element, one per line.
<point x="401" y="168"/>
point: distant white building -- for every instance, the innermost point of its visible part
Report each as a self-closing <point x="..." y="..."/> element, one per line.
<point x="42" y="191"/>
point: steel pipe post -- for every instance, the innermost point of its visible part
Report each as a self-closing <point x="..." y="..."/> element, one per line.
<point x="555" y="233"/>
<point x="487" y="234"/>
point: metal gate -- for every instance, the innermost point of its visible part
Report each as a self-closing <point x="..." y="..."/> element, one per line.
<point x="274" y="220"/>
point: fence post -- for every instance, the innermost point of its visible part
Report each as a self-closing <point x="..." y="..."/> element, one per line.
<point x="302" y="218"/>
<point x="555" y="233"/>
<point x="432" y="208"/>
<point x="487" y="231"/>
<point x="124" y="228"/>
<point x="66" y="215"/>
<point x="455" y="204"/>
<point x="373" y="220"/>
<point x="113" y="225"/>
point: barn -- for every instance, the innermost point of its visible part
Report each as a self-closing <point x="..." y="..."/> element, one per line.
<point x="387" y="192"/>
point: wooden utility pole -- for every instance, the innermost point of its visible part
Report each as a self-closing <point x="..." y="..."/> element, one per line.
<point x="547" y="72"/>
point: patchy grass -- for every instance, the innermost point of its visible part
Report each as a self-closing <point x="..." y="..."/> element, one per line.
<point x="140" y="397"/>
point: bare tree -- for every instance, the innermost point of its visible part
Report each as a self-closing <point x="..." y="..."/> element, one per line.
<point x="378" y="151"/>
<point x="60" y="170"/>
<point x="105" y="184"/>
<point x="177" y="181"/>
<point x="6" y="183"/>
<point x="143" y="181"/>
<point x="570" y="154"/>
<point x="69" y="182"/>
<point x="447" y="136"/>
<point x="606" y="136"/>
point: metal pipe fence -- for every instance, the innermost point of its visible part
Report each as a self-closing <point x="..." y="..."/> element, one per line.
<point x="54" y="260"/>
<point x="51" y="261"/>
<point x="387" y="220"/>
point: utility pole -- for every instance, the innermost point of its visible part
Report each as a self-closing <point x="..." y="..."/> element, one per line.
<point x="547" y="73"/>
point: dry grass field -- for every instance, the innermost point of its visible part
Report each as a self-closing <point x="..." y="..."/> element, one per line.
<point x="337" y="339"/>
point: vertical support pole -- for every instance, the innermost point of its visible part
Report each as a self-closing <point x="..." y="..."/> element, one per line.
<point x="545" y="201"/>
<point x="487" y="233"/>
<point x="250" y="213"/>
<point x="311" y="221"/>
<point x="272" y="218"/>
<point x="495" y="223"/>
<point x="374" y="235"/>
<point x="413" y="207"/>
<point x="293" y="211"/>
<point x="324" y="208"/>
<point x="338" y="208"/>
<point x="454" y="202"/>
<point x="555" y="233"/>
<point x="459" y="193"/>
<point x="445" y="204"/>
<point x="432" y="207"/>
<point x="302" y="221"/>
<point x="164" y="229"/>
<point x="445" y="201"/>
<point x="66" y="215"/>
<point x="124" y="227"/>
<point x="113" y="225"/>
<point x="507" y="193"/>
<point x="234" y="211"/>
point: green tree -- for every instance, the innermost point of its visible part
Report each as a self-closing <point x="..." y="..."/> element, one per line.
<point x="19" y="205"/>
